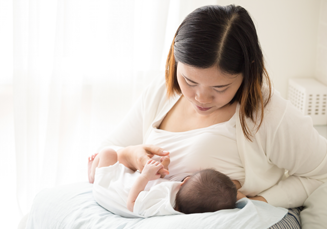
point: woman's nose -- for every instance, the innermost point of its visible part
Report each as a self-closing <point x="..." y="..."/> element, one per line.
<point x="204" y="97"/>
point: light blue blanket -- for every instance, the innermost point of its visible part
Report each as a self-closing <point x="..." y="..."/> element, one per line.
<point x="72" y="206"/>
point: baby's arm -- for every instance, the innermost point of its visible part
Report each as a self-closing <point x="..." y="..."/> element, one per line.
<point x="149" y="172"/>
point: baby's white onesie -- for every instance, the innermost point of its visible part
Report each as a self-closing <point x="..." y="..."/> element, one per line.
<point x="112" y="185"/>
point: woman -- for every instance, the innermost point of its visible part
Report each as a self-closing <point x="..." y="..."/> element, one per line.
<point x="216" y="109"/>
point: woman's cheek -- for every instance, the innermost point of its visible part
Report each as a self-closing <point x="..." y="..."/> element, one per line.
<point x="231" y="95"/>
<point x="189" y="93"/>
<point x="186" y="91"/>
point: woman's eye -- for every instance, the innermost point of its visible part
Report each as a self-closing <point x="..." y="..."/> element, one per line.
<point x="193" y="85"/>
<point x="189" y="83"/>
<point x="220" y="91"/>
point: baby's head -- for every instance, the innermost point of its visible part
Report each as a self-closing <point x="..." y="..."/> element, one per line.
<point x="206" y="191"/>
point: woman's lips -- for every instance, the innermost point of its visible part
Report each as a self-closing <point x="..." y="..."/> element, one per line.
<point x="203" y="108"/>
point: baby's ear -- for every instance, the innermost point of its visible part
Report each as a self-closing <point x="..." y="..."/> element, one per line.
<point x="184" y="181"/>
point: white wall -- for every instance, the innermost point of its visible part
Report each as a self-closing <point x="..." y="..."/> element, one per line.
<point x="287" y="31"/>
<point x="321" y="65"/>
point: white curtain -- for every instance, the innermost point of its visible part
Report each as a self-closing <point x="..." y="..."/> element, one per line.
<point x="69" y="70"/>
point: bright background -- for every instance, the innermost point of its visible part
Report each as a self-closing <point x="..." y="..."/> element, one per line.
<point x="70" y="69"/>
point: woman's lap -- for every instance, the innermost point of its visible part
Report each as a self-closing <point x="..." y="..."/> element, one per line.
<point x="290" y="221"/>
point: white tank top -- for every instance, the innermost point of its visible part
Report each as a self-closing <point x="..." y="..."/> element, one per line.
<point x="210" y="147"/>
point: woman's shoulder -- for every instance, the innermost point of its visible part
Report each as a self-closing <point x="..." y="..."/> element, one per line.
<point x="276" y="105"/>
<point x="155" y="99"/>
<point x="156" y="93"/>
<point x="156" y="85"/>
<point x="279" y="110"/>
<point x="274" y="110"/>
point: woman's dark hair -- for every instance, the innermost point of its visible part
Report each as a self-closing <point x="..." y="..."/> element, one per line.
<point x="206" y="191"/>
<point x="222" y="36"/>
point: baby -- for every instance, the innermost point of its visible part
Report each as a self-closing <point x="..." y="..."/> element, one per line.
<point x="123" y="191"/>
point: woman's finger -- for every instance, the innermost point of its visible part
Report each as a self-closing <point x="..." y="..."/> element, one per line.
<point x="152" y="149"/>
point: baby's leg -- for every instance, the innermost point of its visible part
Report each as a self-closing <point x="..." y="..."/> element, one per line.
<point x="105" y="158"/>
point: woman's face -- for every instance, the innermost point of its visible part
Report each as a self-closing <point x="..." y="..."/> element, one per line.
<point x="209" y="89"/>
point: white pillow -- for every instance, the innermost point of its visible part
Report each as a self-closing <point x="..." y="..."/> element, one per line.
<point x="72" y="206"/>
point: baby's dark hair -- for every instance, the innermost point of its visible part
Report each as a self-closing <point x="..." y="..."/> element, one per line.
<point x="206" y="191"/>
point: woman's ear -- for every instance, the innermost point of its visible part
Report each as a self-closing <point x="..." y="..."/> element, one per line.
<point x="185" y="179"/>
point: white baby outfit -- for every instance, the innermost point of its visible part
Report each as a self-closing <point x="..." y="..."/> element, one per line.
<point x="113" y="183"/>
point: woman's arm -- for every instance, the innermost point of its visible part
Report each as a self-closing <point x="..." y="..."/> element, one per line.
<point x="135" y="157"/>
<point x="240" y="195"/>
<point x="297" y="147"/>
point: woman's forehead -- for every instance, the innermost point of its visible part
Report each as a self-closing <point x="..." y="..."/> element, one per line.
<point x="211" y="75"/>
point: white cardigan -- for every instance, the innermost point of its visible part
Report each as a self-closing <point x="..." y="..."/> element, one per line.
<point x="286" y="140"/>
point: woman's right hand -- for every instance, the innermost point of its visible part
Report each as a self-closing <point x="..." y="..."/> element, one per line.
<point x="135" y="157"/>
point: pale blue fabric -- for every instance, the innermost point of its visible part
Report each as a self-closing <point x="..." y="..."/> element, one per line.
<point x="72" y="206"/>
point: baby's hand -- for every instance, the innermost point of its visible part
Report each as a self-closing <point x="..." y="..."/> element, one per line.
<point x="151" y="168"/>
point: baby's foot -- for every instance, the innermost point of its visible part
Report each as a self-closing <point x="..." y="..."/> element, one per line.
<point x="165" y="161"/>
<point x="89" y="165"/>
